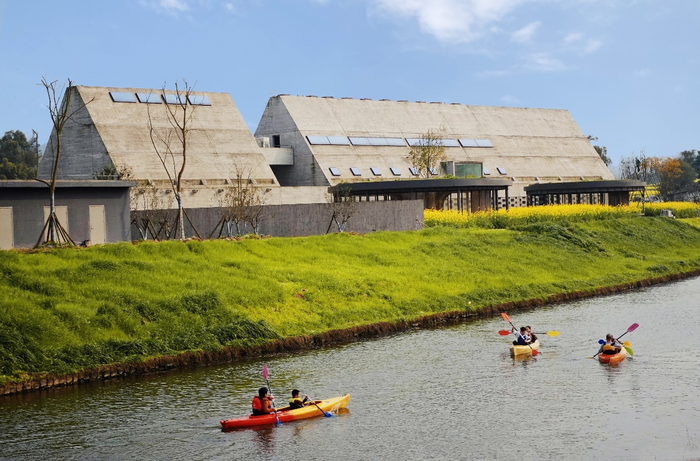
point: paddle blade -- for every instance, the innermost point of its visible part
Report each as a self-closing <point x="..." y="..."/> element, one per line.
<point x="629" y="351"/>
<point x="505" y="317"/>
<point x="535" y="353"/>
<point x="601" y="341"/>
<point x="626" y="344"/>
<point x="632" y="327"/>
<point x="265" y="372"/>
<point x="553" y="333"/>
<point x="503" y="332"/>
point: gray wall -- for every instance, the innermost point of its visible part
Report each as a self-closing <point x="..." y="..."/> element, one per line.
<point x="305" y="171"/>
<point x="28" y="199"/>
<point x="309" y="219"/>
<point x="82" y="151"/>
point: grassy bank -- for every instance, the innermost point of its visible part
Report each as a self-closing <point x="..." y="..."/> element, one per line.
<point x="68" y="309"/>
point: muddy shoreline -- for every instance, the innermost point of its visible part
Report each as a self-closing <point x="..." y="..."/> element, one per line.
<point x="40" y="381"/>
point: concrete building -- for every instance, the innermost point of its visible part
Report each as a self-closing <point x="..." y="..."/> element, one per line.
<point x="110" y="133"/>
<point x="97" y="211"/>
<point x="350" y="140"/>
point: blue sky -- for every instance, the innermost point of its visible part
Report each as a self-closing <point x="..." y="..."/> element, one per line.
<point x="627" y="70"/>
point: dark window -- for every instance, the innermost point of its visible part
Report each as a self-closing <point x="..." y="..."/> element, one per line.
<point x="275" y="140"/>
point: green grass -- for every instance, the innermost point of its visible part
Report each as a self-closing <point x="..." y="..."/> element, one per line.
<point x="67" y="309"/>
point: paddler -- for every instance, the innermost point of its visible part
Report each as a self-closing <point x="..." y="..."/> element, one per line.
<point x="262" y="403"/>
<point x="296" y="402"/>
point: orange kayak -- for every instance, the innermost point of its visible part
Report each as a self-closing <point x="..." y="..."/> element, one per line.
<point x="285" y="414"/>
<point x="613" y="359"/>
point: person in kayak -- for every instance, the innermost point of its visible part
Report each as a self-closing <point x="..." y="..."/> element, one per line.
<point x="533" y="337"/>
<point x="262" y="403"/>
<point x="296" y="402"/>
<point x="522" y="338"/>
<point x="611" y="346"/>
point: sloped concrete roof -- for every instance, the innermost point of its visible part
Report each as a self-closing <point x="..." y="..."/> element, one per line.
<point x="109" y="133"/>
<point x="528" y="143"/>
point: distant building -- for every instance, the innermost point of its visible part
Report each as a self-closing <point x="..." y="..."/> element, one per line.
<point x="351" y="140"/>
<point x="110" y="134"/>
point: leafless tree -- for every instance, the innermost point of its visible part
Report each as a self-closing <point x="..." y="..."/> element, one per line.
<point x="242" y="203"/>
<point x="171" y="142"/>
<point x="342" y="205"/>
<point x="61" y="111"/>
<point x="428" y="153"/>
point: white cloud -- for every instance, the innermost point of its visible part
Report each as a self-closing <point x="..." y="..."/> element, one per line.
<point x="457" y="21"/>
<point x="543" y="62"/>
<point x="174" y="5"/>
<point x="578" y="42"/>
<point x="573" y="37"/>
<point x="170" y="6"/>
<point x="526" y="33"/>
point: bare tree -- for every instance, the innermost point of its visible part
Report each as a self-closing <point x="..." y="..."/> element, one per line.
<point x="428" y="153"/>
<point x="61" y="111"/>
<point x="171" y="142"/>
<point x="343" y="206"/>
<point x="242" y="203"/>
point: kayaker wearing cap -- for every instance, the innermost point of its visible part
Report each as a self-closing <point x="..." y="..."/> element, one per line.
<point x="262" y="403"/>
<point x="611" y="346"/>
<point x="522" y="338"/>
<point x="295" y="402"/>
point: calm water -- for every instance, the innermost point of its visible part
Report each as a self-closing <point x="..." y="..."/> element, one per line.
<point x="451" y="393"/>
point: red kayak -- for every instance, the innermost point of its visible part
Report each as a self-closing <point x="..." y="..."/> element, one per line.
<point x="285" y="414"/>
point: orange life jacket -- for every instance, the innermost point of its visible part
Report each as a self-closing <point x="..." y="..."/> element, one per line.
<point x="257" y="404"/>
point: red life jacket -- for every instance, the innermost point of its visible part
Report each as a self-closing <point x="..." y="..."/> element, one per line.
<point x="257" y="404"/>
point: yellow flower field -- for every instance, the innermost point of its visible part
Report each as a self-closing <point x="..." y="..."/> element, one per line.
<point x="573" y="213"/>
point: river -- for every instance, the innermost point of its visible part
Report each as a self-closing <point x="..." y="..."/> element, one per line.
<point x="447" y="393"/>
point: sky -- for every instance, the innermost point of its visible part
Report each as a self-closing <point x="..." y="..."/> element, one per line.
<point x="628" y="71"/>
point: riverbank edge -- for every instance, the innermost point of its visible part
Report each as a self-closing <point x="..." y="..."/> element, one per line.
<point x="189" y="359"/>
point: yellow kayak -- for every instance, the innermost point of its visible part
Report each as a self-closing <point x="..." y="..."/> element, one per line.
<point x="286" y="415"/>
<point x="522" y="351"/>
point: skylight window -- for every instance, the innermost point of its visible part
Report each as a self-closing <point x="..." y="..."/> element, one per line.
<point x="355" y="171"/>
<point x="359" y="141"/>
<point x="338" y="140"/>
<point x="484" y="142"/>
<point x="468" y="143"/>
<point x="376" y="171"/>
<point x="433" y="171"/>
<point x="122" y="97"/>
<point x="148" y="98"/>
<point x="174" y="99"/>
<point x="399" y="142"/>
<point x="450" y="143"/>
<point x="501" y="170"/>
<point x="413" y="170"/>
<point x="317" y="140"/>
<point x="486" y="171"/>
<point x="378" y="141"/>
<point x="198" y="100"/>
<point x="334" y="171"/>
<point x="395" y="171"/>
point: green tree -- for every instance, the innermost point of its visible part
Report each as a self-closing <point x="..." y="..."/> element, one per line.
<point x="602" y="151"/>
<point x="18" y="158"/>
<point x="693" y="158"/>
<point x="427" y="153"/>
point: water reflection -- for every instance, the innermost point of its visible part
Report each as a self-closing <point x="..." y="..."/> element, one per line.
<point x="450" y="393"/>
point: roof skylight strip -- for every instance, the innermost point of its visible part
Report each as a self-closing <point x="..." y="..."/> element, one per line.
<point x="122" y="97"/>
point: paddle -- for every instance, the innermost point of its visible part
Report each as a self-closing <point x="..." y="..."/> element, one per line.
<point x="507" y="319"/>
<point x="552" y="333"/>
<point x="626" y="344"/>
<point x="326" y="414"/>
<point x="264" y="373"/>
